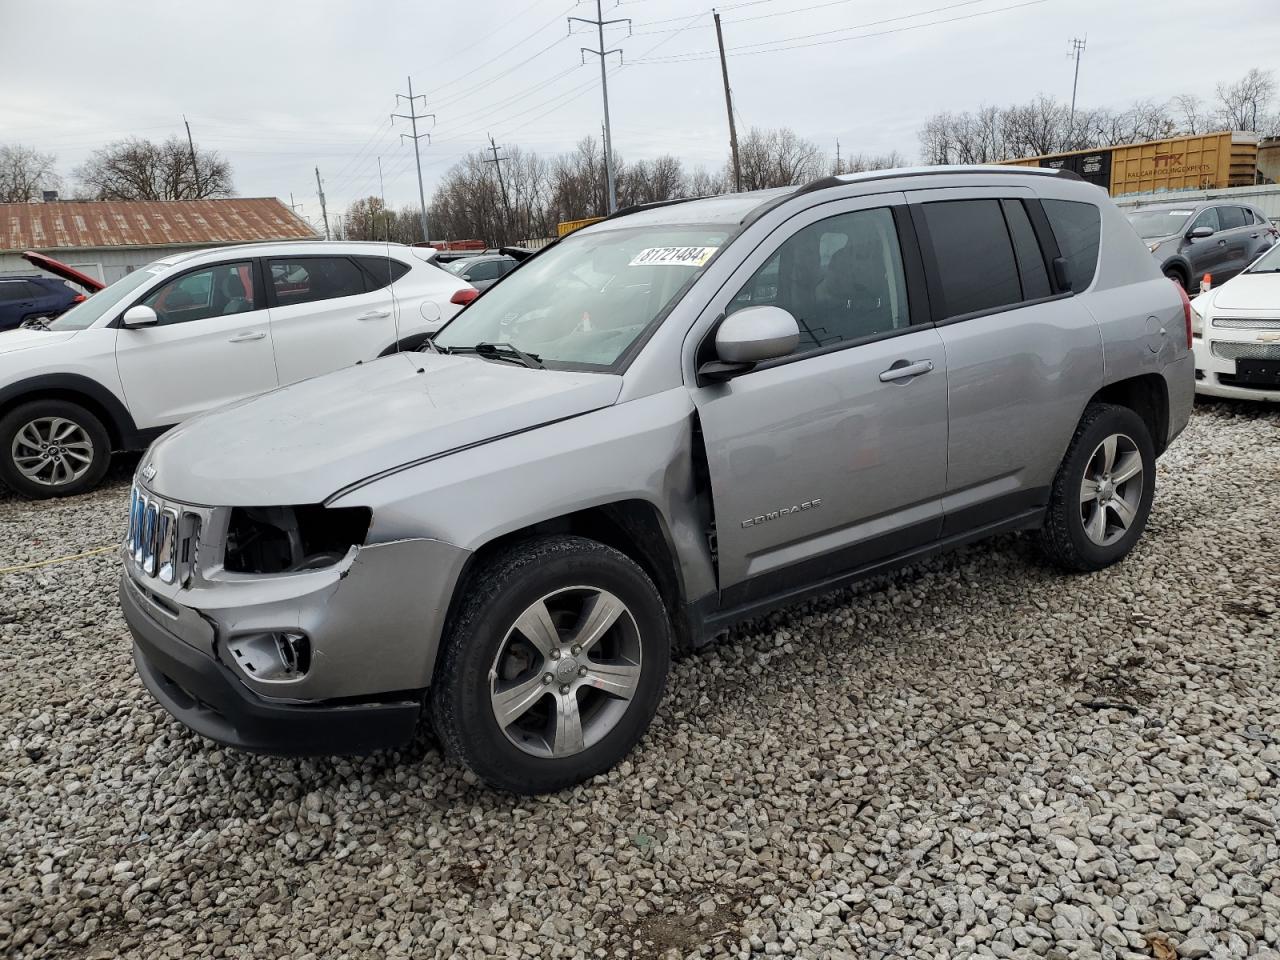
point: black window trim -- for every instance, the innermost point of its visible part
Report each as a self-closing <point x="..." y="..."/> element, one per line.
<point x="255" y="268"/>
<point x="286" y="258"/>
<point x="913" y="279"/>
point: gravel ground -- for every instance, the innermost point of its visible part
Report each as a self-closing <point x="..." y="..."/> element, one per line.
<point x="975" y="757"/>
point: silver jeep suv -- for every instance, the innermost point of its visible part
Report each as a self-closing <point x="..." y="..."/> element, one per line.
<point x="682" y="416"/>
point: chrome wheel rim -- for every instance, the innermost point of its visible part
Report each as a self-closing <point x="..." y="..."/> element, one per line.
<point x="52" y="451"/>
<point x="566" y="672"/>
<point x="1111" y="491"/>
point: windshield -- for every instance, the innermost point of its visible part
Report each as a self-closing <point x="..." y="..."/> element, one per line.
<point x="1159" y="223"/>
<point x="90" y="311"/>
<point x="456" y="267"/>
<point x="586" y="300"/>
<point x="1269" y="262"/>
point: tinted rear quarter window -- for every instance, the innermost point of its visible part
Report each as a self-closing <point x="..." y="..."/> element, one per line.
<point x="975" y="259"/>
<point x="382" y="271"/>
<point x="1077" y="227"/>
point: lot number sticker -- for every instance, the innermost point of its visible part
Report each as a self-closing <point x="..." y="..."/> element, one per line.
<point x="673" y="256"/>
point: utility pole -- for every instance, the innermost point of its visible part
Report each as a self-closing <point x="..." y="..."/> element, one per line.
<point x="195" y="170"/>
<point x="600" y="23"/>
<point x="839" y="167"/>
<point x="497" y="163"/>
<point x="1077" y="48"/>
<point x="324" y="213"/>
<point x="413" y="116"/>
<point x="293" y="206"/>
<point x="728" y="103"/>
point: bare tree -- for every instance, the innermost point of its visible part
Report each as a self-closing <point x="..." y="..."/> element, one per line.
<point x="1189" y="109"/>
<point x="137" y="169"/>
<point x="1243" y="105"/>
<point x="862" y="162"/>
<point x="25" y="173"/>
<point x="779" y="158"/>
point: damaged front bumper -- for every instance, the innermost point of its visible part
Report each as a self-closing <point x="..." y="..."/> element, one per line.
<point x="366" y="629"/>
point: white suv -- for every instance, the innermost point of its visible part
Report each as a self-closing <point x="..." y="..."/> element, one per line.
<point x="198" y="330"/>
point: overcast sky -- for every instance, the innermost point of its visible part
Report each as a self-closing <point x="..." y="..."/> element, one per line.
<point x="281" y="86"/>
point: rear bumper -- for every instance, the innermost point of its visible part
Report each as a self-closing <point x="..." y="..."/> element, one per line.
<point x="204" y="695"/>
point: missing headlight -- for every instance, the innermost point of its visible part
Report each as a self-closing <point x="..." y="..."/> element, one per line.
<point x="289" y="539"/>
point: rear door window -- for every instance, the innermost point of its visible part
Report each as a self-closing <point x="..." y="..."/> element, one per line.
<point x="1078" y="228"/>
<point x="483" y="270"/>
<point x="307" y="279"/>
<point x="1230" y="217"/>
<point x="19" y="290"/>
<point x="1031" y="268"/>
<point x="974" y="255"/>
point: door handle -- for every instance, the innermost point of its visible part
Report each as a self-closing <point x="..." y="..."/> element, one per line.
<point x="375" y="315"/>
<point x="903" y="369"/>
<point x="247" y="336"/>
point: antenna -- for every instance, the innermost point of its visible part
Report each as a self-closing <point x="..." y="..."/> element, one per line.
<point x="386" y="232"/>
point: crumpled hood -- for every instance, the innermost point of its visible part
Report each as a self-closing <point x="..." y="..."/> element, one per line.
<point x="13" y="340"/>
<point x="1249" y="291"/>
<point x="302" y="443"/>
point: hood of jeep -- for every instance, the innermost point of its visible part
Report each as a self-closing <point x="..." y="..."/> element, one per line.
<point x="302" y="443"/>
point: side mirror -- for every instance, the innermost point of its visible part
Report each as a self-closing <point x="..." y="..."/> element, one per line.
<point x="1062" y="273"/>
<point x="466" y="276"/>
<point x="1199" y="233"/>
<point x="139" y="316"/>
<point x="751" y="335"/>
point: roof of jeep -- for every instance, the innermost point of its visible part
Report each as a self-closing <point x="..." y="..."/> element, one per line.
<point x="738" y="207"/>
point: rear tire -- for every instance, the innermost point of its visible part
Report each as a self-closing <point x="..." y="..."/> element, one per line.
<point x="1177" y="277"/>
<point x="553" y="666"/>
<point x="1101" y="496"/>
<point x="52" y="448"/>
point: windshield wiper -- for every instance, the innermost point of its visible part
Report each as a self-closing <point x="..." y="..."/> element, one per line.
<point x="502" y="351"/>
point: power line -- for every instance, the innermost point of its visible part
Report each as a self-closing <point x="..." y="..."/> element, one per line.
<point x="413" y="117"/>
<point x="746" y="51"/>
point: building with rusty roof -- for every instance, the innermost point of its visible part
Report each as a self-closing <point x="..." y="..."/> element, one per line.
<point x="108" y="238"/>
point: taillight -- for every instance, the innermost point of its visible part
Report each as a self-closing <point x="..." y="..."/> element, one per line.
<point x="1186" y="309"/>
<point x="464" y="296"/>
<point x="79" y="298"/>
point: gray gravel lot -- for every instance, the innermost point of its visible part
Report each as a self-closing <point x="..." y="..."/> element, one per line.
<point x="978" y="756"/>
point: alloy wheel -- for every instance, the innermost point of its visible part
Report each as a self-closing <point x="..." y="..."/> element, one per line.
<point x="1111" y="490"/>
<point x="566" y="672"/>
<point x="52" y="451"/>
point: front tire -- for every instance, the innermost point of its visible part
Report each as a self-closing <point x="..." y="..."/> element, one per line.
<point x="553" y="666"/>
<point x="1101" y="496"/>
<point x="52" y="448"/>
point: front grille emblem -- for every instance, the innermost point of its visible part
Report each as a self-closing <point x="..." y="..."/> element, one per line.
<point x="149" y="472"/>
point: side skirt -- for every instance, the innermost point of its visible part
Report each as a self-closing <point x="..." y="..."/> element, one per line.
<point x="708" y="619"/>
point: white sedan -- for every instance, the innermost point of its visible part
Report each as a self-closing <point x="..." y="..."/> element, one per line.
<point x="1236" y="334"/>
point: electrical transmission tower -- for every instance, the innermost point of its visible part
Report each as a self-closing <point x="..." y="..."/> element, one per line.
<point x="1077" y="48"/>
<point x="413" y="116"/>
<point x="600" y="23"/>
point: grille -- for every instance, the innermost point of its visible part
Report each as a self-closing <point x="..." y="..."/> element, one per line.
<point x="1246" y="351"/>
<point x="1245" y="323"/>
<point x="162" y="538"/>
